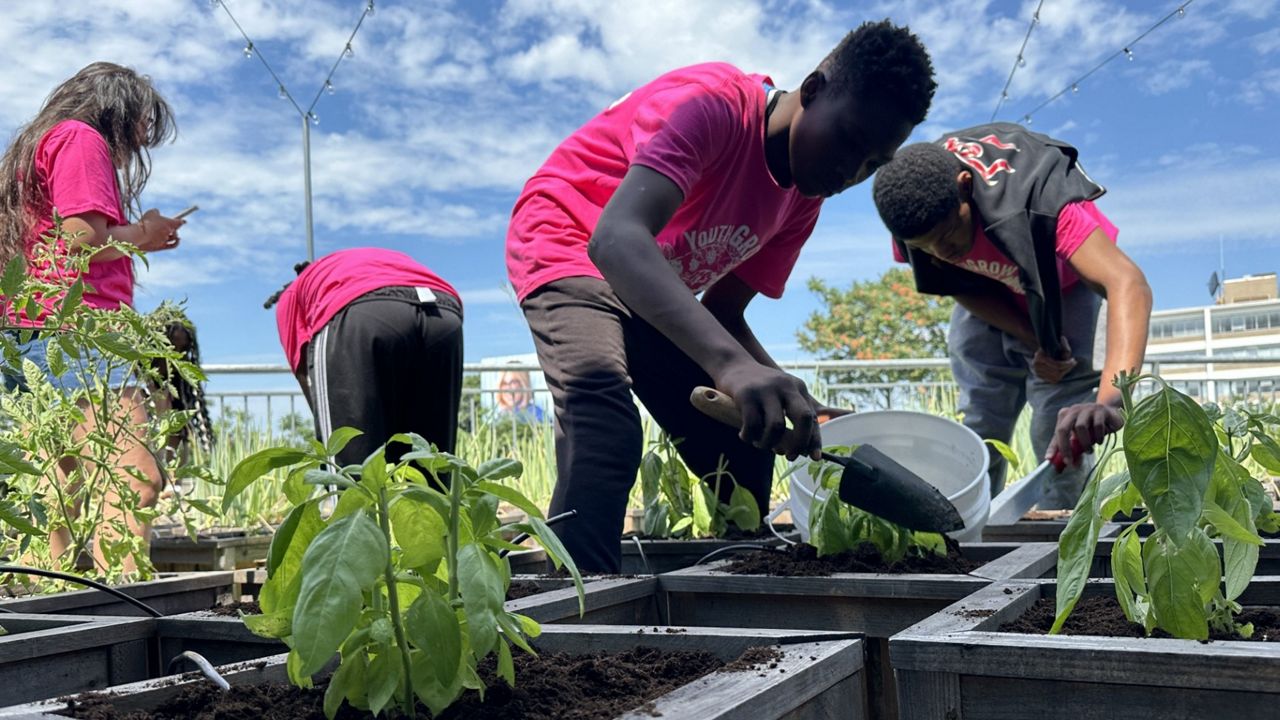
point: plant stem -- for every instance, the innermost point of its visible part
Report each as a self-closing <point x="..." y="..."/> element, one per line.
<point x="455" y="513"/>
<point x="384" y="515"/>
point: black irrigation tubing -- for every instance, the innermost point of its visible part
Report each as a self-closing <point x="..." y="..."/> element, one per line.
<point x="20" y="570"/>
<point x="735" y="548"/>
<point x="525" y="536"/>
<point x="206" y="668"/>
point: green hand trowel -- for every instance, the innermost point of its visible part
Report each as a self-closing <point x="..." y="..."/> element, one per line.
<point x="871" y="480"/>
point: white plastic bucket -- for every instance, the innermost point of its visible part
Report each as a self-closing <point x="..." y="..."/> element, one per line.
<point x="948" y="455"/>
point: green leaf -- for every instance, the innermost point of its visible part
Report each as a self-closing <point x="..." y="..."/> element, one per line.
<point x="277" y="624"/>
<point x="115" y="344"/>
<point x="506" y="667"/>
<point x="315" y="476"/>
<point x="499" y="469"/>
<point x="1127" y="571"/>
<point x="255" y="466"/>
<point x="1240" y="559"/>
<point x="432" y="625"/>
<point x="510" y="495"/>
<point x="348" y="681"/>
<point x="1076" y="548"/>
<point x="343" y="561"/>
<point x="704" y="502"/>
<point x="386" y="673"/>
<point x="435" y="696"/>
<point x="10" y="515"/>
<point x="349" y="501"/>
<point x="15" y="273"/>
<point x="1267" y="455"/>
<point x="743" y="510"/>
<point x="338" y="440"/>
<point x="420" y="532"/>
<point x="1171" y="448"/>
<point x="71" y="301"/>
<point x="556" y="551"/>
<point x="480" y="583"/>
<point x="1005" y="451"/>
<point x="282" y="537"/>
<point x="1227" y="525"/>
<point x="1177" y="575"/>
<point x="373" y="476"/>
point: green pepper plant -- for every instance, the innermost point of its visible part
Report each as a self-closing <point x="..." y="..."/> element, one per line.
<point x="836" y="526"/>
<point x="405" y="579"/>
<point x="679" y="504"/>
<point x="1186" y="467"/>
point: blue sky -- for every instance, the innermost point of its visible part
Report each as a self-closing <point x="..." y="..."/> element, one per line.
<point x="445" y="108"/>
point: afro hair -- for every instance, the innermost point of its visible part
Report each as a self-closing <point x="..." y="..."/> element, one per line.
<point x="917" y="190"/>
<point x="887" y="63"/>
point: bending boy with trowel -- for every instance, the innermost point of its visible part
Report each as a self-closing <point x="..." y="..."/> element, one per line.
<point x="1002" y="219"/>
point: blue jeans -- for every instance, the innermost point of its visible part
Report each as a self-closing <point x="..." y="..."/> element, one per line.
<point x="91" y="364"/>
<point x="993" y="370"/>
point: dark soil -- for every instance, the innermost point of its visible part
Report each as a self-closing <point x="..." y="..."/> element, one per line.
<point x="733" y="532"/>
<point x="522" y="589"/>
<point x="552" y="686"/>
<point x="803" y="561"/>
<point x="250" y="607"/>
<point x="1102" y="616"/>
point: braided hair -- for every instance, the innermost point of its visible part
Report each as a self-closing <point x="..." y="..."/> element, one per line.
<point x="275" y="298"/>
<point x="185" y="395"/>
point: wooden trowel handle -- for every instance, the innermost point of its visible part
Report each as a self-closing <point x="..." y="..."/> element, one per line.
<point x="716" y="405"/>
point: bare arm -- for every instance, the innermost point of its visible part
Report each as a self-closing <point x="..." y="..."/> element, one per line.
<point x="727" y="302"/>
<point x="1114" y="276"/>
<point x="623" y="247"/>
<point x="151" y="233"/>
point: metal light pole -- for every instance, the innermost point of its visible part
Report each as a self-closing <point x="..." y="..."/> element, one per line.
<point x="307" y="116"/>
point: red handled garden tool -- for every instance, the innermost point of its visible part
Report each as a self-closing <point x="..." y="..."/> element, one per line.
<point x="871" y="480"/>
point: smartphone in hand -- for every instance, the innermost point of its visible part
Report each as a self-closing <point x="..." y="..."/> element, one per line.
<point x="186" y="212"/>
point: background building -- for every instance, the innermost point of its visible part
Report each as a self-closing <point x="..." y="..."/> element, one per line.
<point x="1241" y="327"/>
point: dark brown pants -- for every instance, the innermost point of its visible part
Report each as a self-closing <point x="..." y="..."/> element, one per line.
<point x="594" y="352"/>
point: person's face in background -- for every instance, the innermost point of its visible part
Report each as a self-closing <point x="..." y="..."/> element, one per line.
<point x="514" y="390"/>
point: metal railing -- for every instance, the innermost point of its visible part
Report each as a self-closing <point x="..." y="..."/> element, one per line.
<point x="1201" y="376"/>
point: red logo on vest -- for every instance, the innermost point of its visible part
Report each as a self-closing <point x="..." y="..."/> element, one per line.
<point x="971" y="152"/>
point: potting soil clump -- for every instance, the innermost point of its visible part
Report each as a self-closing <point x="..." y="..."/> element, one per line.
<point x="803" y="561"/>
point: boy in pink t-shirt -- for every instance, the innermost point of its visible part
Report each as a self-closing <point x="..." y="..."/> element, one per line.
<point x="1002" y="219"/>
<point x="706" y="180"/>
<point x="375" y="340"/>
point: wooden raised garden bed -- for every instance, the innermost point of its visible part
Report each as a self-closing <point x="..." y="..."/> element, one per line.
<point x="225" y="550"/>
<point x="958" y="665"/>
<point x="49" y="655"/>
<point x="817" y="675"/>
<point x="172" y="595"/>
<point x="608" y="601"/>
<point x="1039" y="527"/>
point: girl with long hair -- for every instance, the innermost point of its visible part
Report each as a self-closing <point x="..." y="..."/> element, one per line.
<point x="85" y="158"/>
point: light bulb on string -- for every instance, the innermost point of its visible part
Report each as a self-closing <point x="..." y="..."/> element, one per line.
<point x="1026" y="119"/>
<point x="248" y="50"/>
<point x="369" y="8"/>
<point x="1182" y="12"/>
<point x="348" y="52"/>
<point x="314" y="118"/>
<point x="284" y="94"/>
<point x="1129" y="54"/>
<point x="1075" y="89"/>
<point x="1035" y="18"/>
<point x="328" y="87"/>
<point x="1022" y="62"/>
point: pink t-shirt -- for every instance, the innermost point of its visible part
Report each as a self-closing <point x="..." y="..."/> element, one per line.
<point x="703" y="128"/>
<point x="1076" y="223"/>
<point x="328" y="284"/>
<point x="73" y="165"/>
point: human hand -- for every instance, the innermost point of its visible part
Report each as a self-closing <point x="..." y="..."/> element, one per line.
<point x="767" y="398"/>
<point x="158" y="232"/>
<point x="1079" y="428"/>
<point x="1051" y="369"/>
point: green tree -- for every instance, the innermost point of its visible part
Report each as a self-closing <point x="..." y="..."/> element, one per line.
<point x="875" y="320"/>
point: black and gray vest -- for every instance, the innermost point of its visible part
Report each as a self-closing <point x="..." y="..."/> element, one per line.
<point x="1021" y="181"/>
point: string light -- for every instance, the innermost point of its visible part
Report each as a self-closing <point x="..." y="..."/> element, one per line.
<point x="284" y="94"/>
<point x="348" y="52"/>
<point x="1020" y="62"/>
<point x="1127" y="51"/>
<point x="328" y="87"/>
<point x="315" y="119"/>
<point x="248" y="50"/>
